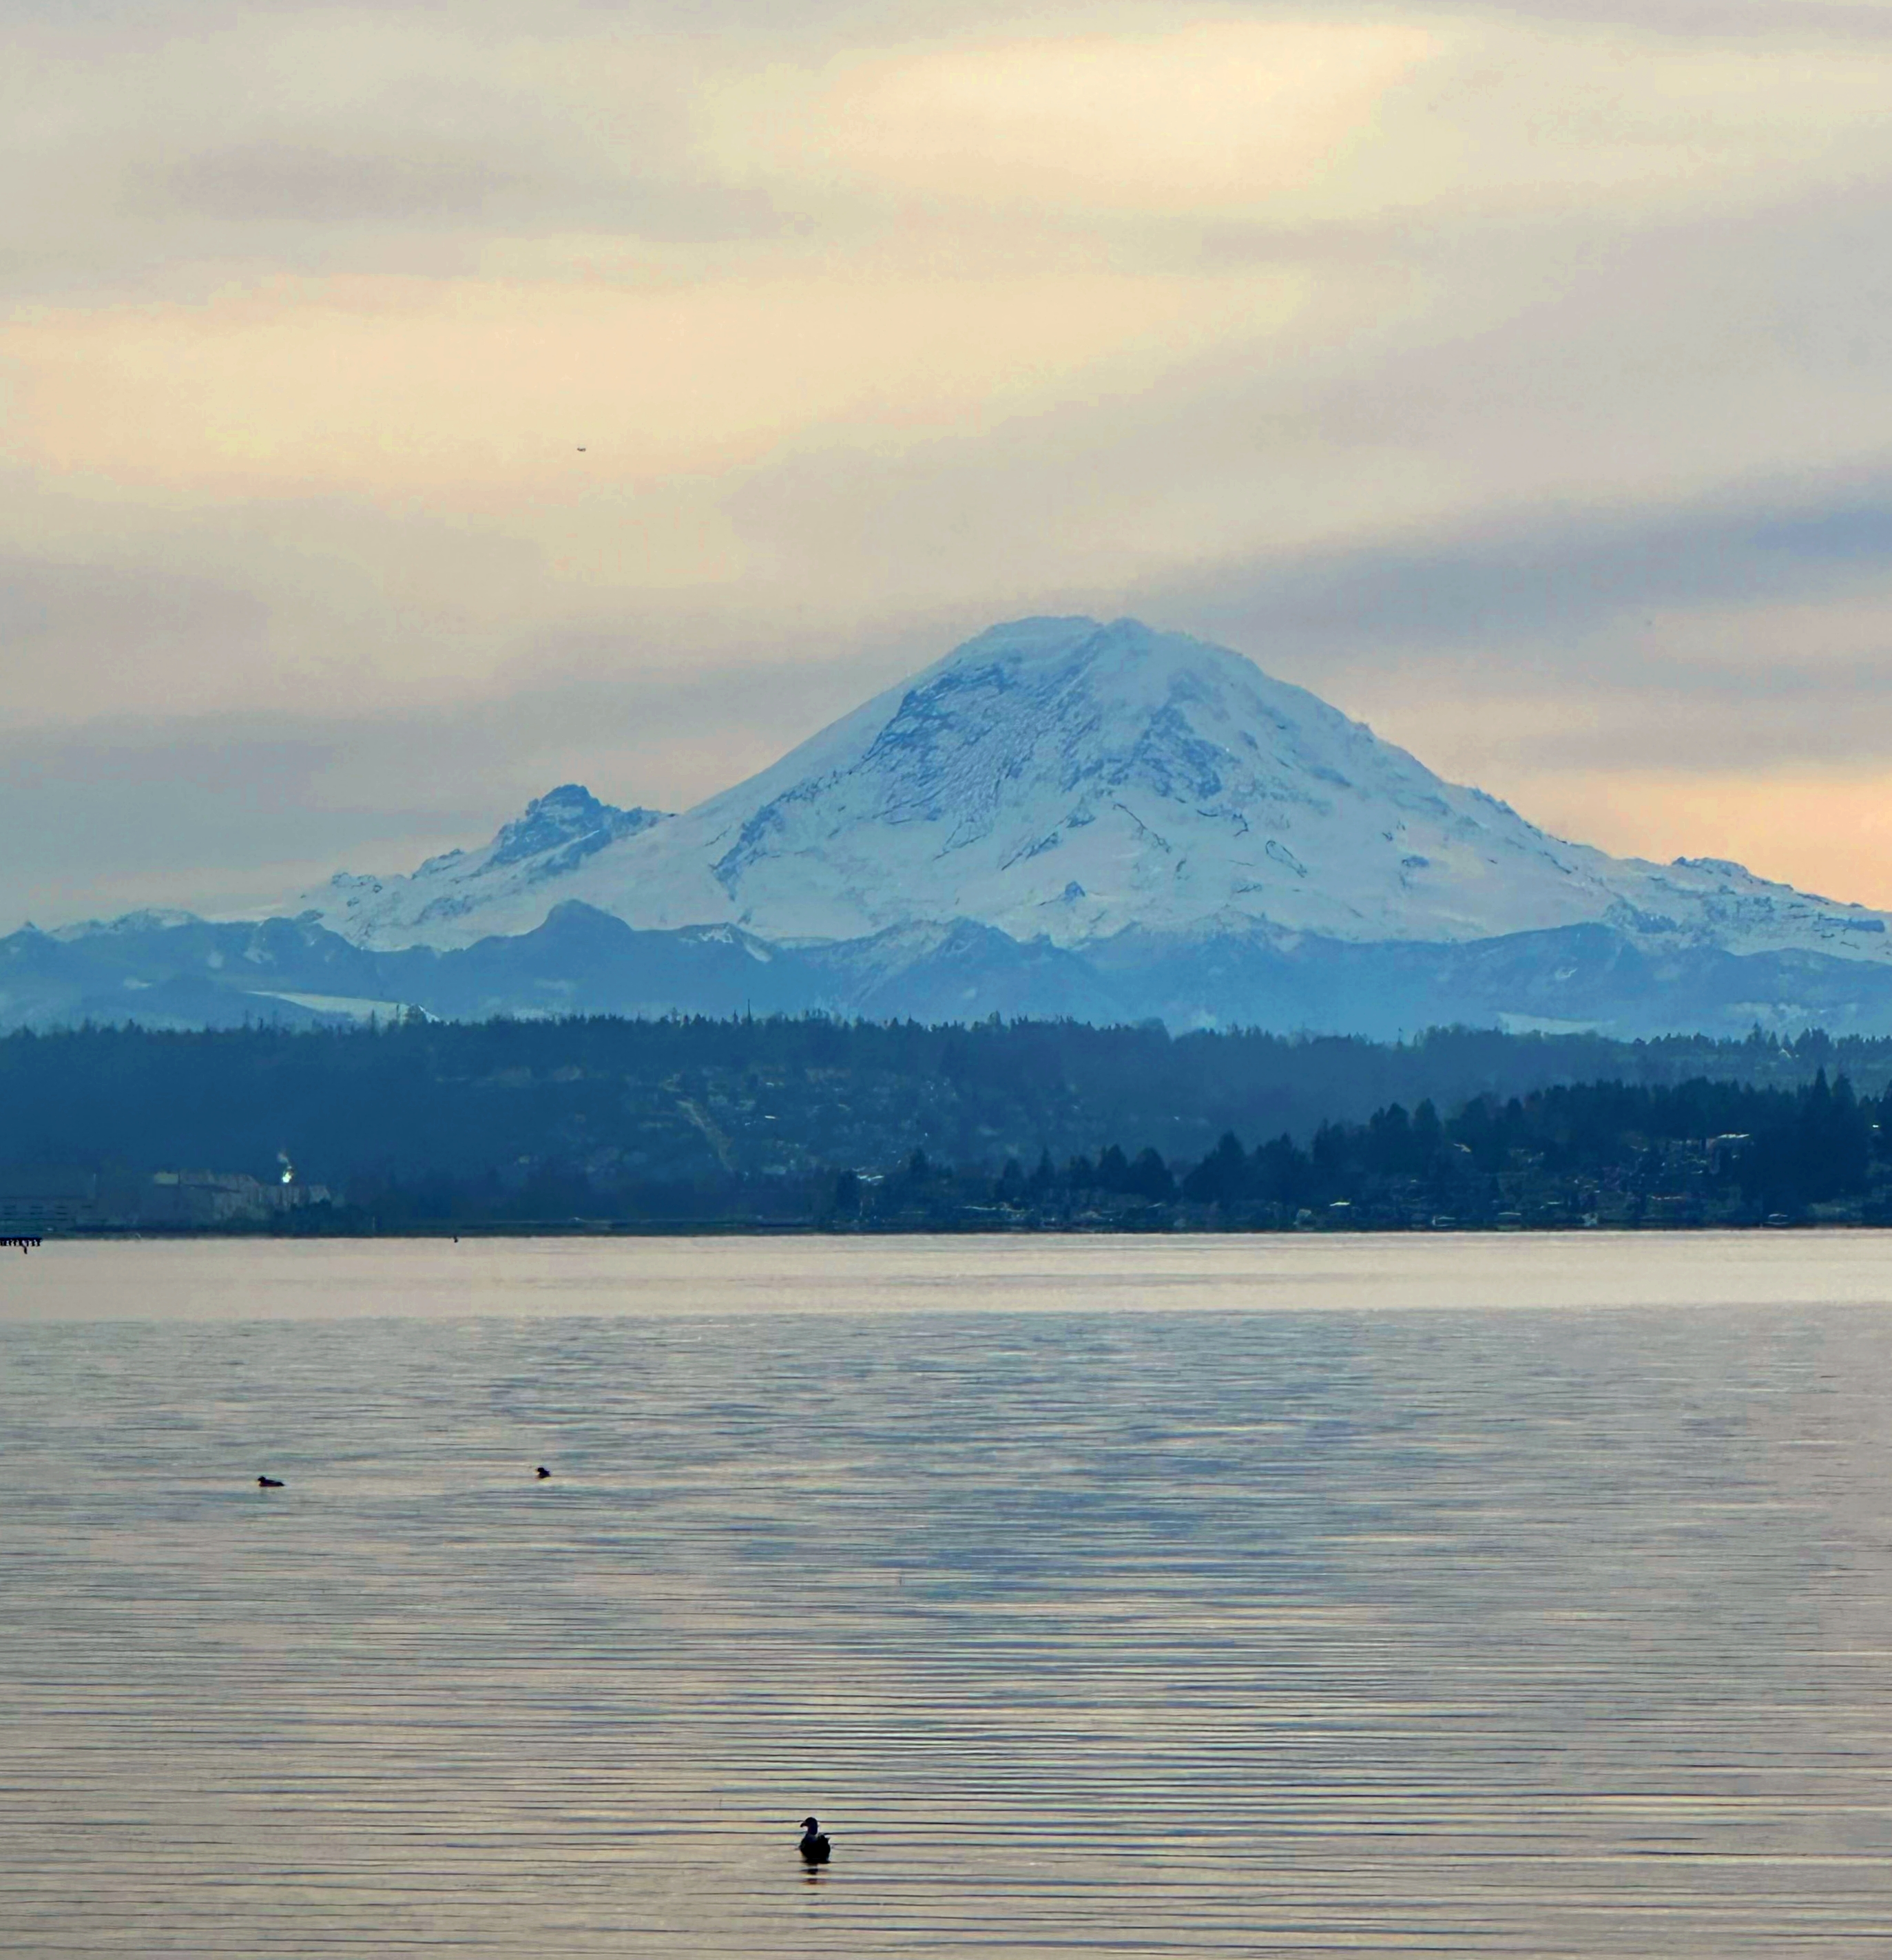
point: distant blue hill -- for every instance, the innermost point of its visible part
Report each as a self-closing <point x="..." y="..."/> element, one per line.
<point x="168" y="972"/>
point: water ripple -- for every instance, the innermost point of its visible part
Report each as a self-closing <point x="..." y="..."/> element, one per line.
<point x="1314" y="1621"/>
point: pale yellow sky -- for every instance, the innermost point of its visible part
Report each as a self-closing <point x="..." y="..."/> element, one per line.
<point x="1513" y="377"/>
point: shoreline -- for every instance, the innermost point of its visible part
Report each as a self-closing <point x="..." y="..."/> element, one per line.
<point x="707" y="1228"/>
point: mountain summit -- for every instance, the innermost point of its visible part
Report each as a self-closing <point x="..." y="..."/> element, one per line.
<point x="557" y="833"/>
<point x="1059" y="819"/>
<point x="1067" y="781"/>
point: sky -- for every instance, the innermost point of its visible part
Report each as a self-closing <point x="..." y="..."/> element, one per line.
<point x="405" y="409"/>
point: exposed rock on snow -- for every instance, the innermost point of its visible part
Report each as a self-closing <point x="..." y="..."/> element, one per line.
<point x="441" y="903"/>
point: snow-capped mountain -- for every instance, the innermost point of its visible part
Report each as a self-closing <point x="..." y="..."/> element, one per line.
<point x="1069" y="782"/>
<point x="531" y="855"/>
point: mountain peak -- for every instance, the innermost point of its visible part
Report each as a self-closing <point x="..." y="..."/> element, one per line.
<point x="1138" y="664"/>
<point x="553" y="836"/>
<point x="1068" y="780"/>
<point x="569" y="814"/>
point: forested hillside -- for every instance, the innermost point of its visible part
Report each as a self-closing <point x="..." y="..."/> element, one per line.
<point x="769" y="1120"/>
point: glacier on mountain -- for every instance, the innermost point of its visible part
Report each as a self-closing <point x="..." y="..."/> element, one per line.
<point x="1064" y="781"/>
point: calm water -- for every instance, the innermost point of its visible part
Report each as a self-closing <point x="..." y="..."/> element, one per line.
<point x="1155" y="1598"/>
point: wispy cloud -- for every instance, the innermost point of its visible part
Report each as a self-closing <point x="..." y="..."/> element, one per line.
<point x="1512" y="374"/>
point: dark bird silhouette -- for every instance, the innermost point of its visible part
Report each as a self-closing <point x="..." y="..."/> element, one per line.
<point x="580" y="449"/>
<point x="542" y="1472"/>
<point x="814" y="1841"/>
<point x="269" y="1483"/>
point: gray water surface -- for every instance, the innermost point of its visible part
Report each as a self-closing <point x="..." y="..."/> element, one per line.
<point x="1152" y="1597"/>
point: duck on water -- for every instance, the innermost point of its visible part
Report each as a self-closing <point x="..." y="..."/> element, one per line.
<point x="814" y="1841"/>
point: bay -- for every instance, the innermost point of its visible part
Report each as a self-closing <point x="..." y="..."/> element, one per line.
<point x="1151" y="1596"/>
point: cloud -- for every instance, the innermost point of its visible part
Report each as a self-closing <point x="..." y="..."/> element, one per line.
<point x="271" y="183"/>
<point x="1212" y="112"/>
<point x="1513" y="375"/>
<point x="475" y="393"/>
<point x="1578" y="570"/>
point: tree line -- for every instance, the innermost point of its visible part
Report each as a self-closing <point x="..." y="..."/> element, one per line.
<point x="1610" y="1152"/>
<point x="805" y="1120"/>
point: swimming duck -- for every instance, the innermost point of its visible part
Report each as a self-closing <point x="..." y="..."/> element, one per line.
<point x="542" y="1472"/>
<point x="814" y="1841"/>
<point x="269" y="1483"/>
